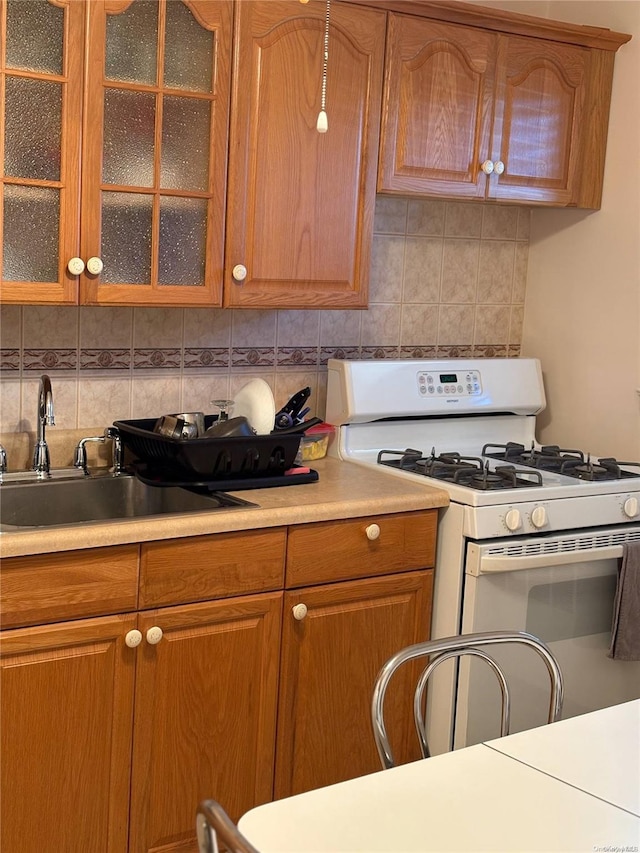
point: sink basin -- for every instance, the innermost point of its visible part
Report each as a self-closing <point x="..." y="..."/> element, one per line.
<point x="51" y="503"/>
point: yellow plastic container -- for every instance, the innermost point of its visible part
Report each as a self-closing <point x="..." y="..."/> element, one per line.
<point x="314" y="443"/>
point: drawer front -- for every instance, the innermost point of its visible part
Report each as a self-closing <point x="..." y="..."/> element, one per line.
<point x="360" y="547"/>
<point x="70" y="585"/>
<point x="200" y="568"/>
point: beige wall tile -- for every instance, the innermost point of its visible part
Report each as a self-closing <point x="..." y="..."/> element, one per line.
<point x="198" y="392"/>
<point x="460" y="270"/>
<point x="298" y="328"/>
<point x="387" y="263"/>
<point x="153" y="396"/>
<point x="520" y="272"/>
<point x="419" y="325"/>
<point x="463" y="220"/>
<point x="422" y="269"/>
<point x="524" y="223"/>
<point x="340" y="328"/>
<point x="455" y="324"/>
<point x="10" y="405"/>
<point x="381" y="325"/>
<point x="252" y="328"/>
<point x="492" y="324"/>
<point x="390" y="215"/>
<point x="155" y="328"/>
<point x="106" y="327"/>
<point x="207" y="327"/>
<point x="50" y="327"/>
<point x="515" y="325"/>
<point x="426" y="217"/>
<point x="101" y="400"/>
<point x="10" y="326"/>
<point x="500" y="222"/>
<point x="495" y="271"/>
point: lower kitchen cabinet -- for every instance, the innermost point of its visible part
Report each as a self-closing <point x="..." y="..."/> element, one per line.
<point x="65" y="736"/>
<point x="205" y="715"/>
<point x="335" y="639"/>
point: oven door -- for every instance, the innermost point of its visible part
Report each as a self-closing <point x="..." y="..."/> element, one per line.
<point x="561" y="589"/>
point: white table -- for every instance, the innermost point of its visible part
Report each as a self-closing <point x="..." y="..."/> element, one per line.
<point x="476" y="799"/>
<point x="598" y="753"/>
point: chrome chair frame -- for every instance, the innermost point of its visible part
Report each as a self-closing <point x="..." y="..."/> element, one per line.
<point x="213" y="823"/>
<point x="455" y="647"/>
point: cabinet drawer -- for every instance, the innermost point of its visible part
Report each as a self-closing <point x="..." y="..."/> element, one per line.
<point x="342" y="550"/>
<point x="52" y="587"/>
<point x="198" y="568"/>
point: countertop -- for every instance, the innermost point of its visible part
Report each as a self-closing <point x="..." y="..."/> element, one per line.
<point x="344" y="490"/>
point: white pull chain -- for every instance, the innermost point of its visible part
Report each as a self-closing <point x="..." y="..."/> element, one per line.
<point x="322" y="125"/>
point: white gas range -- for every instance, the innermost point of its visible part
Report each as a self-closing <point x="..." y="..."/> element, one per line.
<point x="532" y="537"/>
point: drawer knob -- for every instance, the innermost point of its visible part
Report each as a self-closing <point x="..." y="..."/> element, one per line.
<point x="133" y="638"/>
<point x="373" y="531"/>
<point x="299" y="611"/>
<point x="154" y="635"/>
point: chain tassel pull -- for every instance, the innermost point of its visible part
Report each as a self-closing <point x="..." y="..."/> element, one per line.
<point x="322" y="125"/>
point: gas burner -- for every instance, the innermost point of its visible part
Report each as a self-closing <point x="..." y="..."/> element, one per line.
<point x="603" y="469"/>
<point x="549" y="457"/>
<point x="501" y="477"/>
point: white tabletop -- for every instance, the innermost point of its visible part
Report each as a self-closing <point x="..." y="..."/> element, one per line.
<point x="475" y="799"/>
<point x="598" y="753"/>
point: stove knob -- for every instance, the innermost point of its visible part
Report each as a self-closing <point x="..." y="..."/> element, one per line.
<point x="512" y="520"/>
<point x="539" y="517"/>
<point x="630" y="507"/>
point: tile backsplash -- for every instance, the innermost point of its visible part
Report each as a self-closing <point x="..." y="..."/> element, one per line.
<point x="447" y="279"/>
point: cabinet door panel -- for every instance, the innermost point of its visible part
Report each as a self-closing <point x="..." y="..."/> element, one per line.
<point x="330" y="660"/>
<point x="539" y="113"/>
<point x="154" y="151"/>
<point x="41" y="97"/>
<point x="205" y="716"/>
<point x="300" y="202"/>
<point x="437" y="108"/>
<point x="65" y="736"/>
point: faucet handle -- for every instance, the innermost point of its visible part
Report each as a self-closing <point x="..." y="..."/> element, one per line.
<point x="110" y="434"/>
<point x="114" y="434"/>
<point x="3" y="462"/>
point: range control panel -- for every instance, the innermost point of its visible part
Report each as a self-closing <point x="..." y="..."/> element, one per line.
<point x="463" y="383"/>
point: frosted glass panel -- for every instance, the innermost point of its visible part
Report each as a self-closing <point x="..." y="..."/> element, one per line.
<point x="31" y="224"/>
<point x="132" y="38"/>
<point x="129" y="119"/>
<point x="189" y="51"/>
<point x="185" y="144"/>
<point x="42" y="50"/>
<point x="126" y="238"/>
<point x="183" y="233"/>
<point x="32" y="128"/>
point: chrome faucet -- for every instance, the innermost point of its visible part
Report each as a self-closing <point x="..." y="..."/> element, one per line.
<point x="45" y="417"/>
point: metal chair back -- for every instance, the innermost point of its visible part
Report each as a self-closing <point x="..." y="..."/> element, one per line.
<point x="213" y="824"/>
<point x="438" y="651"/>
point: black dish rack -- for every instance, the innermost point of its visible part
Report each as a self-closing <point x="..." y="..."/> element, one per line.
<point x="206" y="458"/>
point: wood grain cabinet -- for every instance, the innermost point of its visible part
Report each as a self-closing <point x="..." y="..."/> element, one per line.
<point x="114" y="154"/>
<point x="471" y="112"/>
<point x="114" y="725"/>
<point x="301" y="203"/>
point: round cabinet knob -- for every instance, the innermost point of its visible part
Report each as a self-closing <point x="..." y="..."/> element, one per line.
<point x="95" y="266"/>
<point x="299" y="611"/>
<point x="76" y="266"/>
<point x="630" y="507"/>
<point x="498" y="167"/>
<point x="373" y="532"/>
<point x="487" y="167"/>
<point x="133" y="638"/>
<point x="239" y="272"/>
<point x="154" y="635"/>
<point x="539" y="517"/>
<point x="512" y="520"/>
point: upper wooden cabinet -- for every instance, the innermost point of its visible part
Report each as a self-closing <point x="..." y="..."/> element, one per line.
<point x="140" y="122"/>
<point x="301" y="203"/>
<point x="470" y="112"/>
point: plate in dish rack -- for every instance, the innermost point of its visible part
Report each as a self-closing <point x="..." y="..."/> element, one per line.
<point x="255" y="402"/>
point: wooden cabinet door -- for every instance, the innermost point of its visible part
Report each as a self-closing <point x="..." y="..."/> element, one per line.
<point x="539" y="120"/>
<point x="41" y="106"/>
<point x="301" y="203"/>
<point x="205" y="715"/>
<point x="65" y="736"/>
<point x="330" y="659"/>
<point x="154" y="152"/>
<point x="438" y="98"/>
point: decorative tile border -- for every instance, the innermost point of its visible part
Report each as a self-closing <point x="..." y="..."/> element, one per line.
<point x="10" y="359"/>
<point x="489" y="351"/>
<point x="253" y="356"/>
<point x="105" y="359"/>
<point x="418" y="352"/>
<point x="338" y="352"/>
<point x="156" y="358"/>
<point x="297" y="356"/>
<point x="455" y="351"/>
<point x="206" y="357"/>
<point x="378" y="352"/>
<point x="49" y="359"/>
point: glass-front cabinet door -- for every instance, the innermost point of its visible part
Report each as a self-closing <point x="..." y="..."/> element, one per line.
<point x="41" y="68"/>
<point x="124" y="175"/>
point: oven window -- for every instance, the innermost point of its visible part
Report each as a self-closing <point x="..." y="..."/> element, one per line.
<point x="569" y="609"/>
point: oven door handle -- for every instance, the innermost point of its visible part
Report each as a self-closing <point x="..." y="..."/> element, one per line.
<point x="490" y="563"/>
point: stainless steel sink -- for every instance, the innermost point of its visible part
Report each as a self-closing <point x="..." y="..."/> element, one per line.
<point x="55" y="502"/>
